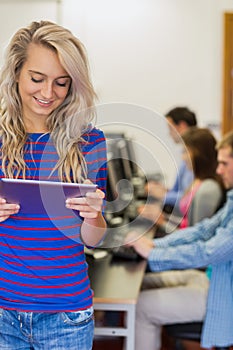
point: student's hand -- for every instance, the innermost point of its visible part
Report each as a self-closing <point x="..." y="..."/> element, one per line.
<point x="152" y="212"/>
<point x="7" y="209"/>
<point x="155" y="189"/>
<point x="89" y="206"/>
<point x="143" y="245"/>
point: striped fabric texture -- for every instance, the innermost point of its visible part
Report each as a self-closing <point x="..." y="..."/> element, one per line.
<point x="42" y="260"/>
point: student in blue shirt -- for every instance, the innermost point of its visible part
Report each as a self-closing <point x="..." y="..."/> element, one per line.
<point x="180" y="119"/>
<point x="209" y="242"/>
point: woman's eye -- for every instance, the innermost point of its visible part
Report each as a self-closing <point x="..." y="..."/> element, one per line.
<point x="36" y="80"/>
<point x="62" y="84"/>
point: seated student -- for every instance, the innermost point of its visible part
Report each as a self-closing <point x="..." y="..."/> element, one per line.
<point x="205" y="194"/>
<point x="208" y="242"/>
<point x="180" y="119"/>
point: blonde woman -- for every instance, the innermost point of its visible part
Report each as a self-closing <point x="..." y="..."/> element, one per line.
<point x="47" y="106"/>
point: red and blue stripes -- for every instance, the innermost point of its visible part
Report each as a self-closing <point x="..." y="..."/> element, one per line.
<point x="42" y="261"/>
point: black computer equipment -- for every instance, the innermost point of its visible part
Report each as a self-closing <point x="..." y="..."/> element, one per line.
<point x="132" y="156"/>
<point x="114" y="135"/>
<point x="120" y="191"/>
<point x="121" y="207"/>
<point x="128" y="147"/>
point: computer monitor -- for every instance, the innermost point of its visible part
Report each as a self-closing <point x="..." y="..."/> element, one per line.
<point x="120" y="191"/>
<point x="122" y="146"/>
<point x="114" y="135"/>
<point x="128" y="149"/>
<point x="132" y="156"/>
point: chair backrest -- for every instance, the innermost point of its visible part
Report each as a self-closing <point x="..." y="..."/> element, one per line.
<point x="206" y="201"/>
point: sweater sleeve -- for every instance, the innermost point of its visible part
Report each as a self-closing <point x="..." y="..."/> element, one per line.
<point x="206" y="243"/>
<point x="201" y="231"/>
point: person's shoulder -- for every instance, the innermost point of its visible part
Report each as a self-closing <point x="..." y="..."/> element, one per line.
<point x="183" y="169"/>
<point x="93" y="132"/>
<point x="183" y="166"/>
<point x="230" y="194"/>
<point x="94" y="137"/>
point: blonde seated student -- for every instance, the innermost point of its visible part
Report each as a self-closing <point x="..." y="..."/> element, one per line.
<point x="205" y="194"/>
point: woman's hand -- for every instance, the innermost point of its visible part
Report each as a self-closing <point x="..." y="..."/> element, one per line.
<point x="89" y="206"/>
<point x="7" y="209"/>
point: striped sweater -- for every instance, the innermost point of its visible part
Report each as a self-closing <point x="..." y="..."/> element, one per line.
<point x="42" y="261"/>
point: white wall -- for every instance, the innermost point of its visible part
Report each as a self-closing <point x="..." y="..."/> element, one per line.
<point x="17" y="13"/>
<point x="154" y="54"/>
<point x="146" y="57"/>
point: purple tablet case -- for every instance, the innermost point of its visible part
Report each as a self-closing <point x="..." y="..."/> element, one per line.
<point x="40" y="197"/>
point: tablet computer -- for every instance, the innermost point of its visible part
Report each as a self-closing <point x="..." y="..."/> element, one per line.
<point x="36" y="196"/>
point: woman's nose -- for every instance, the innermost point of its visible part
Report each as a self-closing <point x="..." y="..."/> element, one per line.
<point x="47" y="90"/>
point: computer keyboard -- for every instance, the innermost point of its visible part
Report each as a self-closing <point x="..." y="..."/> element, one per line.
<point x="125" y="252"/>
<point x="115" y="238"/>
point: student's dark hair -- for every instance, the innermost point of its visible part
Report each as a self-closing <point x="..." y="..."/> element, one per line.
<point x="179" y="114"/>
<point x="202" y="145"/>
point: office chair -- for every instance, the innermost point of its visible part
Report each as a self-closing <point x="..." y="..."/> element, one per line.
<point x="186" y="331"/>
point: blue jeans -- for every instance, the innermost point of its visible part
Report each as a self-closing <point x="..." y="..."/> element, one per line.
<point x="46" y="331"/>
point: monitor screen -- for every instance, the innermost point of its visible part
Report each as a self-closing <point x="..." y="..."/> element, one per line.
<point x="120" y="191"/>
<point x="132" y="156"/>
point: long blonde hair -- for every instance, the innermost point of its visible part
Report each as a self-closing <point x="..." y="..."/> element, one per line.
<point x="68" y="122"/>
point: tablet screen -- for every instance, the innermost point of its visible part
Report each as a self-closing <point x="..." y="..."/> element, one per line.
<point x="35" y="196"/>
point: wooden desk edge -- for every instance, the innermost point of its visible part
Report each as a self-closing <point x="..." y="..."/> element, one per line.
<point x="113" y="301"/>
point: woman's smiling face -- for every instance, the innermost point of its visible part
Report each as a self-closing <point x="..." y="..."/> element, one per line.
<point x="43" y="84"/>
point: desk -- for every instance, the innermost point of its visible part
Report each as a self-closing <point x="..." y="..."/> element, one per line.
<point x="116" y="286"/>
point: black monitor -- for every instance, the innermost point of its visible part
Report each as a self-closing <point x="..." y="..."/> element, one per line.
<point x="120" y="191"/>
<point x="128" y="149"/>
<point x="132" y="156"/>
<point x="122" y="146"/>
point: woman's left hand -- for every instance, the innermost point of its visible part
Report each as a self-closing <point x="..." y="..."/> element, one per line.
<point x="89" y="206"/>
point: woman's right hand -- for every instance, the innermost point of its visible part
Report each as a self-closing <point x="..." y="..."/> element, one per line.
<point x="7" y="209"/>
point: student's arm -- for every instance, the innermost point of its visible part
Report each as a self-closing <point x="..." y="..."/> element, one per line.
<point x="93" y="231"/>
<point x="90" y="209"/>
<point x="217" y="249"/>
<point x="203" y="231"/>
<point x="185" y="237"/>
<point x="94" y="226"/>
